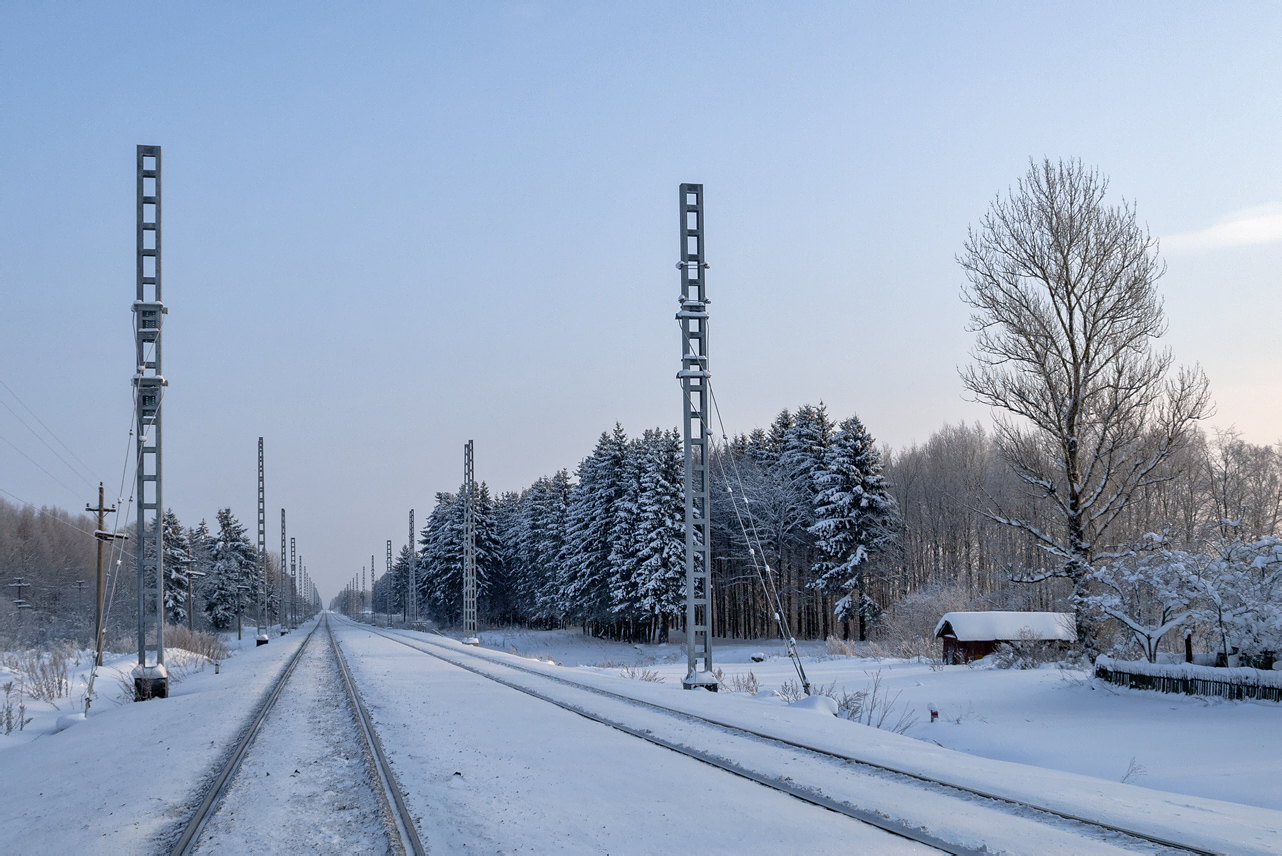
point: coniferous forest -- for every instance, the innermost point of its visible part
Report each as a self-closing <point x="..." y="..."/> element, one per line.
<point x="863" y="541"/>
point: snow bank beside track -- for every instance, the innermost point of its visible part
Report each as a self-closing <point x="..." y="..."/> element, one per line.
<point x="125" y="779"/>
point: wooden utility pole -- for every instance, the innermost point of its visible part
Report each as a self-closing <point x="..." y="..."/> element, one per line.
<point x="102" y="535"/>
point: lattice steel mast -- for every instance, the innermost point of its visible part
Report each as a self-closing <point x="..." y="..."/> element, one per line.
<point x="281" y="610"/>
<point x="469" y="551"/>
<point x="293" y="587"/>
<point x="149" y="388"/>
<point x="411" y="584"/>
<point x="386" y="599"/>
<point x="694" y="378"/>
<point x="262" y="637"/>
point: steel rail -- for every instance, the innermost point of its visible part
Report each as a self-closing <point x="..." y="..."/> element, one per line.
<point x="788" y="787"/>
<point x="215" y="793"/>
<point x="879" y="821"/>
<point x="391" y="791"/>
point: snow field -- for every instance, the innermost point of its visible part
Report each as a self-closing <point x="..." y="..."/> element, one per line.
<point x="126" y="779"/>
<point x="486" y="767"/>
<point x="305" y="785"/>
<point x="1219" y="825"/>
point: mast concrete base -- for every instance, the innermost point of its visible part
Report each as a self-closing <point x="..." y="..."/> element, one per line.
<point x="700" y="680"/>
<point x="150" y="682"/>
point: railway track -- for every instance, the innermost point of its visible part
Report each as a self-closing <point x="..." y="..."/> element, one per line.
<point x="380" y="821"/>
<point x="519" y="677"/>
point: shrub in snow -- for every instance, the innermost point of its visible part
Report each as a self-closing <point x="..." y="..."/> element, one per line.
<point x="1239" y="590"/>
<point x="44" y="673"/>
<point x="9" y="718"/>
<point x="1148" y="590"/>
<point x="872" y="705"/>
<point x="639" y="673"/>
<point x="739" y="683"/>
<point x="834" y="647"/>
<point x="208" y="646"/>
<point x="790" y="691"/>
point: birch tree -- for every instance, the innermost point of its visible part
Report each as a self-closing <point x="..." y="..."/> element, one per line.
<point x="1065" y="308"/>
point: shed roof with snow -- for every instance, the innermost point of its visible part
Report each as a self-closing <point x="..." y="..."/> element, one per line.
<point x="1007" y="626"/>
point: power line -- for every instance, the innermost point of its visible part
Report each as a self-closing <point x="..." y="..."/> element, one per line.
<point x="755" y="545"/>
<point x="33" y="461"/>
<point x="55" y="517"/>
<point x="42" y="439"/>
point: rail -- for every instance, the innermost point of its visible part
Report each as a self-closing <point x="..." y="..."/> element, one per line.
<point x="793" y="789"/>
<point x="204" y="811"/>
<point x="390" y="793"/>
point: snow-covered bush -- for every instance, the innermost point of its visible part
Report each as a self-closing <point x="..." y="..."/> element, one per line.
<point x="790" y="691"/>
<point x="916" y="614"/>
<point x="210" y="646"/>
<point x="44" y="673"/>
<point x="640" y="673"/>
<point x="835" y="647"/>
<point x="873" y="705"/>
<point x="1148" y="590"/>
<point x="739" y="683"/>
<point x="1239" y="591"/>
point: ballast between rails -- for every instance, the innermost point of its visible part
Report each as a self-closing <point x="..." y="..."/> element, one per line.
<point x="389" y="790"/>
<point x="215" y="793"/>
<point x="801" y="793"/>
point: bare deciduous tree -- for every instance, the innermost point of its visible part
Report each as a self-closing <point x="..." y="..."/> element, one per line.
<point x="1063" y="292"/>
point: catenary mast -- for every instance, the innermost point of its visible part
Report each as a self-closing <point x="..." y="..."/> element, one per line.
<point x="149" y="388"/>
<point x="694" y="378"/>
<point x="469" y="550"/>
<point x="411" y="585"/>
<point x="262" y="637"/>
<point x="281" y="607"/>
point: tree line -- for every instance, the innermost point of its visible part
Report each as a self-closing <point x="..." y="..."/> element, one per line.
<point x="1096" y="491"/>
<point x="211" y="575"/>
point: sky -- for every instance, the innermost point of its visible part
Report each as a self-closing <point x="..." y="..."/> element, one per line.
<point x="391" y="228"/>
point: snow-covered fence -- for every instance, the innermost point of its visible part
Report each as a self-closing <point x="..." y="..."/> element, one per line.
<point x="1233" y="683"/>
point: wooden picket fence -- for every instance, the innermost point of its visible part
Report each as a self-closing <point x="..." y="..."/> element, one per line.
<point x="1189" y="685"/>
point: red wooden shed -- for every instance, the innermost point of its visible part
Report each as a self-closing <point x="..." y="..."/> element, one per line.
<point x="971" y="635"/>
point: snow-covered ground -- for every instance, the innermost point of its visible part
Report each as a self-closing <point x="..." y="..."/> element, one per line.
<point x="485" y="767"/>
<point x="1047" y="717"/>
<point x="126" y="779"/>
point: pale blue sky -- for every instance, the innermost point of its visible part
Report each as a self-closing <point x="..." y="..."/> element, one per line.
<point x="390" y="228"/>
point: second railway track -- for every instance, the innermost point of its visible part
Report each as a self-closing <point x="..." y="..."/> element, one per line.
<point x="1090" y="833"/>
